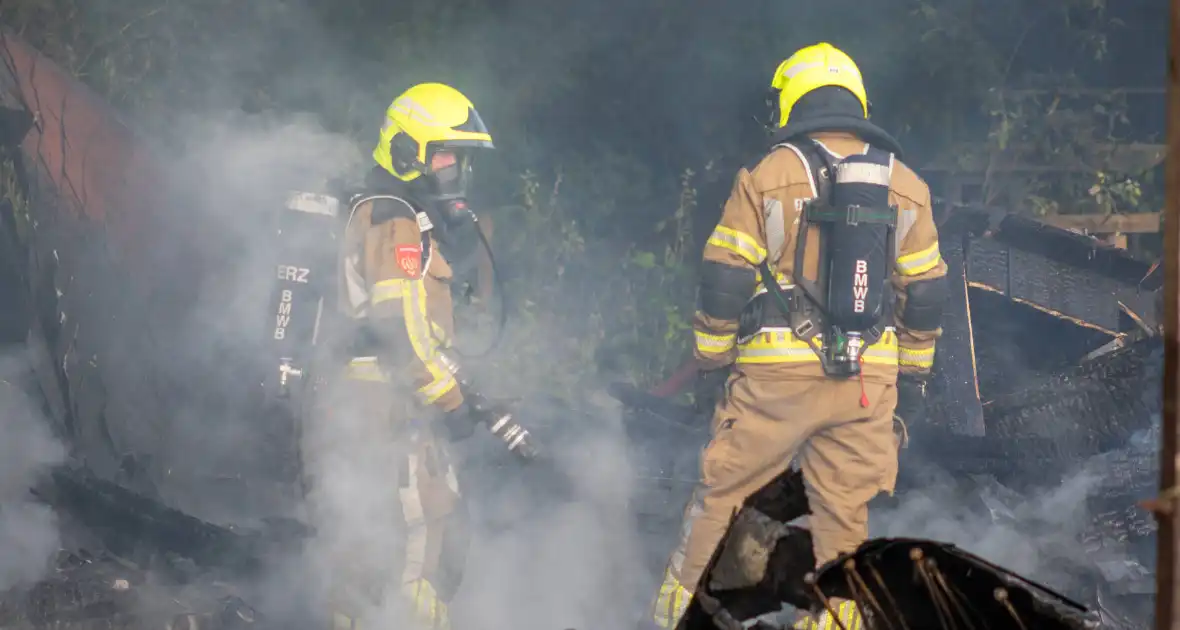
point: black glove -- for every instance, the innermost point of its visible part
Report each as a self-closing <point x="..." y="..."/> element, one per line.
<point x="459" y="424"/>
<point x="911" y="400"/>
<point x="709" y="387"/>
<point x="517" y="438"/>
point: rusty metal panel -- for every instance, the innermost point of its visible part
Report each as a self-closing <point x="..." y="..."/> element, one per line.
<point x="115" y="280"/>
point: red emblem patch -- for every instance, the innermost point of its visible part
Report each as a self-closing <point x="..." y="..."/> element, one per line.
<point x="409" y="258"/>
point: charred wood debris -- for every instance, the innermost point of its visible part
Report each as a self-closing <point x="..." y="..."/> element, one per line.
<point x="1048" y="380"/>
<point x="1094" y="403"/>
<point x="1050" y="364"/>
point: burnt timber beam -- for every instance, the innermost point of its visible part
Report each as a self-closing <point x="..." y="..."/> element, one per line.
<point x="955" y="381"/>
<point x="1136" y="223"/>
<point x="1167" y="613"/>
<point x="1055" y="269"/>
<point x="1133" y="157"/>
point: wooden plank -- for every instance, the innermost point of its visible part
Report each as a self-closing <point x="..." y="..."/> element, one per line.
<point x="1087" y="91"/>
<point x="1133" y="157"/>
<point x="1135" y="223"/>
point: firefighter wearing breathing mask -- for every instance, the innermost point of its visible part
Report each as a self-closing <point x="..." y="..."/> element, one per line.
<point x="394" y="287"/>
<point x="820" y="301"/>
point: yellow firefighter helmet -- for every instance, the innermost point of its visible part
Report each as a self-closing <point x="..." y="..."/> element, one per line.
<point x="422" y="120"/>
<point x="811" y="68"/>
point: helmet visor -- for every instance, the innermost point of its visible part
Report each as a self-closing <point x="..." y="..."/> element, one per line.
<point x="450" y="169"/>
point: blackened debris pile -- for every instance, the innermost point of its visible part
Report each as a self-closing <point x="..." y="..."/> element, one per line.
<point x="104" y="592"/>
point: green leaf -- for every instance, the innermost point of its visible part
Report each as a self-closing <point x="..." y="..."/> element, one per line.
<point x="644" y="260"/>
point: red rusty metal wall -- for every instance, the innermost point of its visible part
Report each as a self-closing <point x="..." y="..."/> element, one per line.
<point x="115" y="277"/>
<point x="101" y="170"/>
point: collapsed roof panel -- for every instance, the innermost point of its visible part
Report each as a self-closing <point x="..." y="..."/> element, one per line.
<point x="1060" y="288"/>
<point x="1003" y="267"/>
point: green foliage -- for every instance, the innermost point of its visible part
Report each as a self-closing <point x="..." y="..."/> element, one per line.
<point x="12" y="194"/>
<point x="1053" y="144"/>
<point x="596" y="238"/>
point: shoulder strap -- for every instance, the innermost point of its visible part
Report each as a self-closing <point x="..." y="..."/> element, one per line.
<point x="392" y="206"/>
<point x="818" y="175"/>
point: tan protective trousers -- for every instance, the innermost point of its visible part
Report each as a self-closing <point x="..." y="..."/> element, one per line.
<point x="847" y="453"/>
<point x="433" y="520"/>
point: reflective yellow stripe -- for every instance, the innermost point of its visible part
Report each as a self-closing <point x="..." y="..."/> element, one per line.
<point x="365" y="369"/>
<point x="341" y="621"/>
<point x="671" y="603"/>
<point x="849" y="614"/>
<point x="440" y="335"/>
<point x="387" y="290"/>
<point x="714" y="344"/>
<point x="425" y="347"/>
<point x="919" y="262"/>
<point x="776" y="345"/>
<point x="783" y="284"/>
<point x="428" y="608"/>
<point x="915" y="357"/>
<point x="741" y="244"/>
<point x="884" y="352"/>
<point x="436" y="389"/>
<point x="779" y="345"/>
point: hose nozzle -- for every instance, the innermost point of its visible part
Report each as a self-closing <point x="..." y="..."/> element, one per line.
<point x="517" y="438"/>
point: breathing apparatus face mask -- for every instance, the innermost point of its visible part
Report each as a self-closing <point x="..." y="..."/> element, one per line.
<point x="448" y="177"/>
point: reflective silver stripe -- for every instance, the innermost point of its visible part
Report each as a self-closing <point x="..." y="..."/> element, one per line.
<point x="905" y="221"/>
<point x="888" y="352"/>
<point x="415" y="517"/>
<point x="776" y="236"/>
<point x="791" y="71"/>
<point x="737" y="242"/>
<point x="312" y="203"/>
<point x="421" y="218"/>
<point x="776" y="227"/>
<point x="356" y="202"/>
<point x="694" y="510"/>
<point x="354" y="287"/>
<point x="862" y="173"/>
<point x="452" y="479"/>
<point x="777" y="352"/>
<point x="781" y="333"/>
<point x="435" y="389"/>
<point x="785" y="286"/>
<point x="417" y="321"/>
<point x="409" y="108"/>
<point x="916" y="358"/>
<point x="837" y="155"/>
<point x="713" y="343"/>
<point x="913" y="265"/>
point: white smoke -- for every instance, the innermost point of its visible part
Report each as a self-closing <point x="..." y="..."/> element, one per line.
<point x="543" y="552"/>
<point x="29" y="532"/>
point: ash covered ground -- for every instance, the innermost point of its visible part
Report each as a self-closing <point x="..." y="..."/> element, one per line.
<point x="1053" y="502"/>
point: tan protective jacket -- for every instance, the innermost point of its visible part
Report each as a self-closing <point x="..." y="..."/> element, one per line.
<point x="740" y="240"/>
<point x="382" y="281"/>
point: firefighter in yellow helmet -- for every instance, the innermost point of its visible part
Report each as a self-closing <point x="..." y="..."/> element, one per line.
<point x="394" y="290"/>
<point x="820" y="301"/>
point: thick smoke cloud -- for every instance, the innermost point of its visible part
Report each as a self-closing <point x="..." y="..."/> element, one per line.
<point x="542" y="557"/>
<point x="568" y="548"/>
<point x="1032" y="535"/>
<point x="29" y="533"/>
